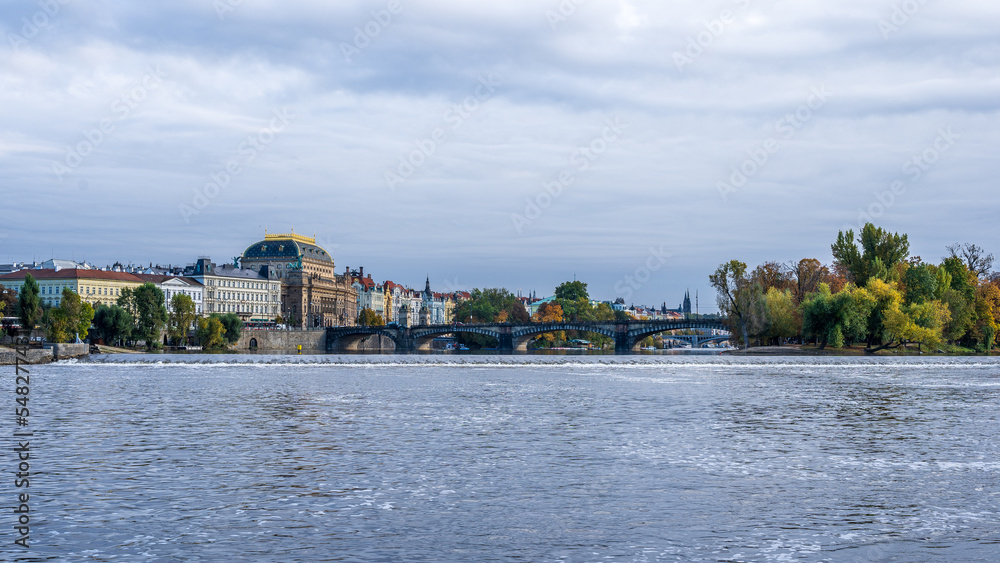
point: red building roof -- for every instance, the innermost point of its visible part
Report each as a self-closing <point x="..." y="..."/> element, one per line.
<point x="72" y="275"/>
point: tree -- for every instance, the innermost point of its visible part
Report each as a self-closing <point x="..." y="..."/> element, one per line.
<point x="975" y="258"/>
<point x="899" y="325"/>
<point x="963" y="280"/>
<point x="987" y="311"/>
<point x="29" y="304"/>
<point x="486" y="304"/>
<point x="877" y="256"/>
<point x="833" y="318"/>
<point x="183" y="315"/>
<point x="70" y="319"/>
<point x="962" y="315"/>
<point x="572" y="291"/>
<point x="921" y="282"/>
<point x="211" y="333"/>
<point x="370" y="318"/>
<point x="233" y="325"/>
<point x="806" y="277"/>
<point x="549" y="313"/>
<point x="113" y="324"/>
<point x="8" y="300"/>
<point x="149" y="310"/>
<point x="782" y="314"/>
<point x="737" y="297"/>
<point x="772" y="274"/>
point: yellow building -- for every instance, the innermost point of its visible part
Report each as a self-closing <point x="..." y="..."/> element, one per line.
<point x="93" y="286"/>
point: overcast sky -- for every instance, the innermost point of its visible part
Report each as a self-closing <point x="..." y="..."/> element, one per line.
<point x="410" y="136"/>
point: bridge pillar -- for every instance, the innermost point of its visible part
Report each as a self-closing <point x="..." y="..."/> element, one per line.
<point x="623" y="342"/>
<point x="506" y="339"/>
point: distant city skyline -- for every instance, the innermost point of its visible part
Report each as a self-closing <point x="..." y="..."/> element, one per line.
<point x="498" y="145"/>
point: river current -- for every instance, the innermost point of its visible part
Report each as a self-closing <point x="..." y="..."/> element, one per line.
<point x="512" y="458"/>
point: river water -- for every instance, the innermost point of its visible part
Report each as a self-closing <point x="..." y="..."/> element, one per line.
<point x="430" y="458"/>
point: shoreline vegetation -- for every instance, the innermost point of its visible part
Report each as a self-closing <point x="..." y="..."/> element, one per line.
<point x="849" y="351"/>
<point x="876" y="297"/>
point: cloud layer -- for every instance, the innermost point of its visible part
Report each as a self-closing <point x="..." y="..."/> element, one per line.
<point x="418" y="137"/>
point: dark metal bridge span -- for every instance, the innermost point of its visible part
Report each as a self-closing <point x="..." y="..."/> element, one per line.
<point x="627" y="335"/>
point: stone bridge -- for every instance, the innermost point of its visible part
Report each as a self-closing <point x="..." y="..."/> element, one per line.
<point x="627" y="335"/>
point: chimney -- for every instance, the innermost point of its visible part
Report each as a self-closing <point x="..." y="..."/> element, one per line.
<point x="361" y="272"/>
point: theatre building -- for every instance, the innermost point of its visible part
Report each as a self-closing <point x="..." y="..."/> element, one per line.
<point x="312" y="294"/>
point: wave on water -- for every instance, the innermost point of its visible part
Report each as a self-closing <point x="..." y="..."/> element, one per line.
<point x="529" y="360"/>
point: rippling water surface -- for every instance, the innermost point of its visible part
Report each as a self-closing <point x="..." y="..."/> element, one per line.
<point x="513" y="458"/>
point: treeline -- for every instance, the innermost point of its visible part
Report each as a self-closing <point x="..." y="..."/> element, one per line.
<point x="571" y="303"/>
<point x="139" y="315"/>
<point x="874" y="293"/>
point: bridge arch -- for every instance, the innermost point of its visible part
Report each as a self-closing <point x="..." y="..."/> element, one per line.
<point x="638" y="333"/>
<point x="521" y="336"/>
<point x="347" y="340"/>
<point x="422" y="337"/>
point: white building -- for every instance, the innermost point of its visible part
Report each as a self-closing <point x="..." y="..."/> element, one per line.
<point x="177" y="285"/>
<point x="254" y="295"/>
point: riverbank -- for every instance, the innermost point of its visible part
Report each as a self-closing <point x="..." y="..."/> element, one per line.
<point x="45" y="355"/>
<point x="798" y="350"/>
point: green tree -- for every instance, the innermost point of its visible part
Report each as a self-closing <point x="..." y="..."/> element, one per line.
<point x="70" y="319"/>
<point x="233" y="326"/>
<point x="29" y="304"/>
<point x="921" y="282"/>
<point x="963" y="315"/>
<point x="211" y="333"/>
<point x="877" y="257"/>
<point x="962" y="280"/>
<point x="833" y="318"/>
<point x="486" y="304"/>
<point x="572" y="291"/>
<point x="183" y="315"/>
<point x="113" y="324"/>
<point x="370" y="318"/>
<point x="782" y="313"/>
<point x="489" y="306"/>
<point x="148" y="307"/>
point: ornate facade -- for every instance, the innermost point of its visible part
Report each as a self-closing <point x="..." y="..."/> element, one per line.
<point x="312" y="294"/>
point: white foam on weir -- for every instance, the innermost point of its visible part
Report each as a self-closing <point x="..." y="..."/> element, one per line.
<point x="638" y="362"/>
